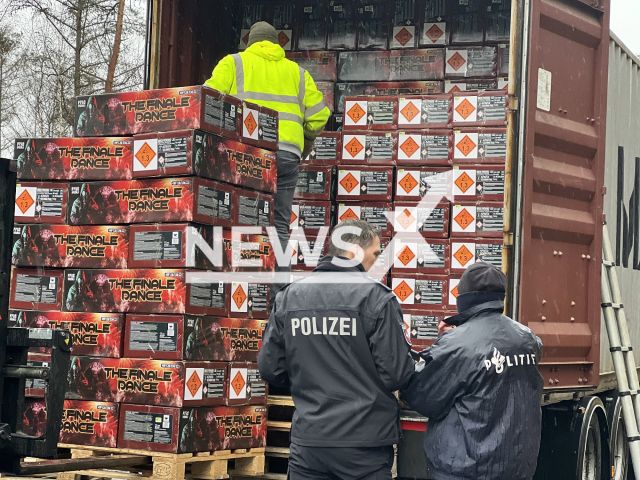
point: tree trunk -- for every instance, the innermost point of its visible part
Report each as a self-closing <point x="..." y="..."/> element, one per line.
<point x="113" y="62"/>
<point x="78" y="49"/>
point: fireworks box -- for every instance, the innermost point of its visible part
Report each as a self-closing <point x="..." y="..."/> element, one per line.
<point x="259" y="126"/>
<point x="41" y="202"/>
<point x="308" y="215"/>
<point x="480" y="109"/>
<point x="327" y="89"/>
<point x="189" y="430"/>
<point x="254" y="209"/>
<point x="415" y="254"/>
<point x="465" y="252"/>
<point x="373" y="26"/>
<point x="316" y="182"/>
<point x="252" y="11"/>
<point x="377" y="214"/>
<point x="143" y="291"/>
<point x="404" y="24"/>
<point x="369" y="148"/>
<point x="163" y="110"/>
<point x="370" y="113"/>
<point x="283" y="19"/>
<point x="454" y="280"/>
<point x="471" y="62"/>
<point x="498" y="21"/>
<point x="503" y="60"/>
<point x="467" y="21"/>
<point x="73" y="158"/>
<point x="337" y="122"/>
<point x="247" y="252"/>
<point x="470" y="85"/>
<point x="420" y="292"/>
<point x="430" y="221"/>
<point x="503" y="83"/>
<point x="98" y="334"/>
<point x="34" y="387"/>
<point x="391" y="66"/>
<point x="306" y="252"/>
<point x="385" y="89"/>
<point x="365" y="184"/>
<point x="63" y="246"/>
<point x="322" y="66"/>
<point x="431" y="182"/>
<point x="171" y="383"/>
<point x="249" y="299"/>
<point x="153" y="200"/>
<point x="426" y="147"/>
<point x="428" y="111"/>
<point x="480" y="145"/>
<point x="246" y="387"/>
<point x="36" y="289"/>
<point x="422" y="327"/>
<point x="194" y="152"/>
<point x="343" y="25"/>
<point x="481" y="219"/>
<point x="34" y="417"/>
<point x="435" y="27"/>
<point x="327" y="150"/>
<point x="478" y="183"/>
<point x="312" y="26"/>
<point x="88" y="423"/>
<point x="190" y="337"/>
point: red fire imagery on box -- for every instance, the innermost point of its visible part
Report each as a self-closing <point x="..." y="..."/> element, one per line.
<point x="377" y="214"/>
<point x="467" y="251"/>
<point x="190" y="337"/>
<point x="480" y="145"/>
<point x="161" y="110"/>
<point x="369" y="148"/>
<point x="97" y="334"/>
<point x="63" y="246"/>
<point x="316" y="182"/>
<point x="370" y="113"/>
<point x="413" y="254"/>
<point x="478" y="182"/>
<point x="195" y="152"/>
<point x="36" y="289"/>
<point x="309" y="215"/>
<point x="478" y="219"/>
<point x="431" y="221"/>
<point x="423" y="292"/>
<point x="170" y="383"/>
<point x="246" y="387"/>
<point x="327" y="149"/>
<point x="34" y="417"/>
<point x="421" y="327"/>
<point x="365" y="184"/>
<point x="153" y="200"/>
<point x="425" y="147"/>
<point x="423" y="112"/>
<point x="41" y="202"/>
<point x="480" y="109"/>
<point x="90" y="423"/>
<point x="433" y="183"/>
<point x="73" y="158"/>
<point x="195" y="429"/>
<point x="322" y="66"/>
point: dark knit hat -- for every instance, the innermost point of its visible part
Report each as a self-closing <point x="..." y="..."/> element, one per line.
<point x="482" y="277"/>
<point x="262" y="31"/>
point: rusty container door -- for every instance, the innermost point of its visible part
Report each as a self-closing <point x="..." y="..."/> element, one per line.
<point x="562" y="186"/>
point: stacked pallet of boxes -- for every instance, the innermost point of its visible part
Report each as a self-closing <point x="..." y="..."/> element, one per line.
<point x="116" y="232"/>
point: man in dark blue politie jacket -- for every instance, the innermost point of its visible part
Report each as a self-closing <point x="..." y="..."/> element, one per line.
<point x="335" y="338"/>
<point x="480" y="387"/>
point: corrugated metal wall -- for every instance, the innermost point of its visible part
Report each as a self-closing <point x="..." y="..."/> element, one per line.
<point x="622" y="200"/>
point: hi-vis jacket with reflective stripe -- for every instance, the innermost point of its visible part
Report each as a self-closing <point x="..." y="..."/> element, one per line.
<point x="264" y="76"/>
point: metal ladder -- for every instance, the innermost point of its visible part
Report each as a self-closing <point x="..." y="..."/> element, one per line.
<point x="621" y="350"/>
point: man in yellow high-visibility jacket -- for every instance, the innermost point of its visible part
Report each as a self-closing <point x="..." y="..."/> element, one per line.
<point x="263" y="75"/>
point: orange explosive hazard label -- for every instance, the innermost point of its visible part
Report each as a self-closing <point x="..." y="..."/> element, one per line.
<point x="356" y="113"/>
<point x="405" y="219"/>
<point x="455" y="89"/>
<point x="406" y="256"/>
<point x="466" y="145"/>
<point x="25" y="201"/>
<point x="465" y="109"/>
<point x="354" y="147"/>
<point x="409" y="147"/>
<point x="404" y="36"/>
<point x="194" y="383"/>
<point x="463" y="255"/>
<point x="349" y="182"/>
<point x="457" y="61"/>
<point x="464" y="218"/>
<point x="238" y="383"/>
<point x="239" y="296"/>
<point x="410" y="111"/>
<point x="454" y="292"/>
<point x="250" y="123"/>
<point x="464" y="182"/>
<point x="283" y="38"/>
<point x="408" y="183"/>
<point x="348" y="215"/>
<point x="294" y="217"/>
<point x="403" y="291"/>
<point x="435" y="33"/>
<point x="145" y="155"/>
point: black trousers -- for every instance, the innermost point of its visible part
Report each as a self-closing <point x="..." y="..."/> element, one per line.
<point x="334" y="463"/>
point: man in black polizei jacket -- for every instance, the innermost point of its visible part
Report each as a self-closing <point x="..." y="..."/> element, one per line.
<point x="336" y="339"/>
<point x="480" y="387"/>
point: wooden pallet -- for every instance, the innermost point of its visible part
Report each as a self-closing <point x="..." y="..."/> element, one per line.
<point x="165" y="466"/>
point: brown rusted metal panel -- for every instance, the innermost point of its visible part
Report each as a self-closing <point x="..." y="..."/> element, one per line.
<point x="563" y="176"/>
